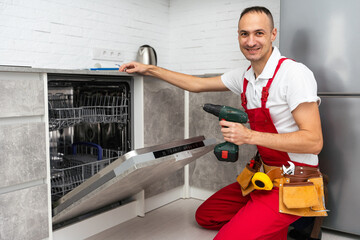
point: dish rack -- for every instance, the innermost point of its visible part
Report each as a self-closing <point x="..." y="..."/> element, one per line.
<point x="64" y="112"/>
<point x="69" y="171"/>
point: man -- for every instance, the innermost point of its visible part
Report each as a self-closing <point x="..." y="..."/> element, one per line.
<point x="280" y="97"/>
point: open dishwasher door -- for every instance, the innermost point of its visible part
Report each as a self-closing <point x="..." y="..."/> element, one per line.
<point x="128" y="175"/>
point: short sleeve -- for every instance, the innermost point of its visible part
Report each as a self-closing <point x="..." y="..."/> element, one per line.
<point x="233" y="80"/>
<point x="302" y="86"/>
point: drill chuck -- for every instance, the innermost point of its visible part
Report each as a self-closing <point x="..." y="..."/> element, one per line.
<point x="213" y="109"/>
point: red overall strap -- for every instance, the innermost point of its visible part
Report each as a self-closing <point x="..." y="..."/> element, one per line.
<point x="265" y="91"/>
<point x="243" y="96"/>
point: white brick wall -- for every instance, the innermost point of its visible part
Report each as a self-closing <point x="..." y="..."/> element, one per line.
<point x="203" y="36"/>
<point x="63" y="33"/>
<point x="192" y="36"/>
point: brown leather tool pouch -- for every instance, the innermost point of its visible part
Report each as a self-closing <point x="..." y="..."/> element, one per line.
<point x="244" y="178"/>
<point x="302" y="195"/>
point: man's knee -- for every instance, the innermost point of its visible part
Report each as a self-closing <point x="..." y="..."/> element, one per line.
<point x="205" y="220"/>
<point x="200" y="217"/>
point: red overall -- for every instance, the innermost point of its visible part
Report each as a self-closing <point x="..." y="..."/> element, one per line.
<point x="255" y="216"/>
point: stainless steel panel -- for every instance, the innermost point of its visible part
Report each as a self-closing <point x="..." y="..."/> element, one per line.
<point x="325" y="36"/>
<point x="130" y="174"/>
<point x="339" y="159"/>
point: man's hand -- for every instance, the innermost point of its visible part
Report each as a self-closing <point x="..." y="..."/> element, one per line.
<point x="184" y="81"/>
<point x="235" y="133"/>
<point x="134" y="67"/>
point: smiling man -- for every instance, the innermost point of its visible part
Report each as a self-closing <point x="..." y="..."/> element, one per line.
<point x="255" y="38"/>
<point x="280" y="97"/>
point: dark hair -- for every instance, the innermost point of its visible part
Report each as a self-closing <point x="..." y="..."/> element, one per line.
<point x="258" y="9"/>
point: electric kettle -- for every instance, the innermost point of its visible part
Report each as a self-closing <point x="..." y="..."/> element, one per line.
<point x="147" y="55"/>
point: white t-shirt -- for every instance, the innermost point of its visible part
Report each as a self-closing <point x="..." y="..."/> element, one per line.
<point x="293" y="84"/>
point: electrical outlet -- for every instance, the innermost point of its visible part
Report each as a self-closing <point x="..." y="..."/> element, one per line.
<point x="106" y="54"/>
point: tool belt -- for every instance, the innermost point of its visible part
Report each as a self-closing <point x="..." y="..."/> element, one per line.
<point x="300" y="194"/>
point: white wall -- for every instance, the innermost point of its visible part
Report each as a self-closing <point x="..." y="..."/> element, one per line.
<point x="203" y="36"/>
<point x="192" y="36"/>
<point x="63" y="33"/>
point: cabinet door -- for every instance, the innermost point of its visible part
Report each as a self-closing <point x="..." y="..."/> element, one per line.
<point x="24" y="210"/>
<point x="23" y="153"/>
<point x="21" y="94"/>
<point x="24" y="214"/>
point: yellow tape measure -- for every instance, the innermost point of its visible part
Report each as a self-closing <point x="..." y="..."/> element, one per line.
<point x="261" y="181"/>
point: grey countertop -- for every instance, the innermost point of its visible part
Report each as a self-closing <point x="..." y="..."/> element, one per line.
<point x="61" y="71"/>
<point x="25" y="69"/>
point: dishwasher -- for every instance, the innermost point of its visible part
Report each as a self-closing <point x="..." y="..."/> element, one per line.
<point x="93" y="164"/>
<point x="89" y="126"/>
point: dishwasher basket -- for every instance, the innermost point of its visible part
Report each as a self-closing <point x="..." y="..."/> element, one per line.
<point x="64" y="112"/>
<point x="69" y="171"/>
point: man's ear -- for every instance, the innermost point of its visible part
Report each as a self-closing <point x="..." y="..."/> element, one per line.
<point x="273" y="34"/>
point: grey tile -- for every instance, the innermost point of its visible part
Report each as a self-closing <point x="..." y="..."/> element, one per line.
<point x="24" y="214"/>
<point x="23" y="153"/>
<point x="163" y="112"/>
<point x="21" y="94"/>
<point x="164" y="122"/>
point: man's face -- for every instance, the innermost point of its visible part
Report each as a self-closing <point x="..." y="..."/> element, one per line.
<point x="256" y="36"/>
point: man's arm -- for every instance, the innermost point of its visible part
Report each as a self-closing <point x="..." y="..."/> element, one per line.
<point x="308" y="139"/>
<point x="184" y="81"/>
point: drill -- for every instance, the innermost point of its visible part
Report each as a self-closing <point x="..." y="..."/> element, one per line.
<point x="226" y="151"/>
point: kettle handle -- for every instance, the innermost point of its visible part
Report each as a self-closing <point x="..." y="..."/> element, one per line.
<point x="152" y="49"/>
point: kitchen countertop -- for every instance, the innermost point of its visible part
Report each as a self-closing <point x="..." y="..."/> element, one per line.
<point x="61" y="71"/>
<point x="25" y="69"/>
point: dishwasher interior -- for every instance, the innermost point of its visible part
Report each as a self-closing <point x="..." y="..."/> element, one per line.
<point x="90" y="119"/>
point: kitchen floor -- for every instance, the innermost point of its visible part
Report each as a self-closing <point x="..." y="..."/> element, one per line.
<point x="175" y="221"/>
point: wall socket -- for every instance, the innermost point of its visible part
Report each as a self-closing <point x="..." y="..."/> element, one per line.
<point x="106" y="54"/>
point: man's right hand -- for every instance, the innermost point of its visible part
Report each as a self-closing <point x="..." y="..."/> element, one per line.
<point x="134" y="67"/>
<point x="184" y="81"/>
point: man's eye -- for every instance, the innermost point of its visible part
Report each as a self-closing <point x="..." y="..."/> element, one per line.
<point x="259" y="33"/>
<point x="243" y="34"/>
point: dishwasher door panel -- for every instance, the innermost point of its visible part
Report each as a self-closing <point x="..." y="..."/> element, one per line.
<point x="128" y="175"/>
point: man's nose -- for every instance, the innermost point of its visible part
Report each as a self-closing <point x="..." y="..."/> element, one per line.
<point x="251" y="41"/>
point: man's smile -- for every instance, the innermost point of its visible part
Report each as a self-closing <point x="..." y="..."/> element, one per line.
<point x="253" y="50"/>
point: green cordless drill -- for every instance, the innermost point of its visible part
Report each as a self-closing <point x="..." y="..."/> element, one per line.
<point x="226" y="151"/>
